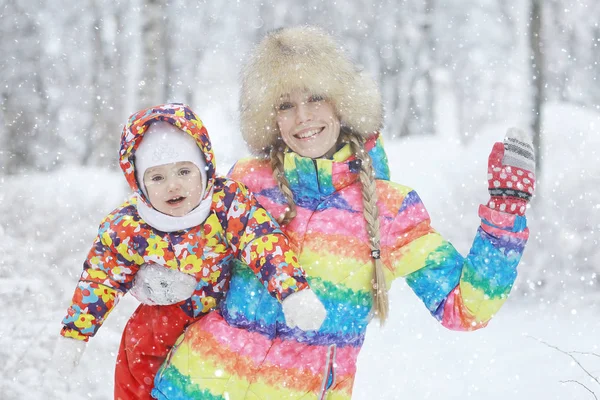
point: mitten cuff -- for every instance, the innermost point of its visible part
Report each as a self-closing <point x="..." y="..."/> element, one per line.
<point x="502" y="220"/>
<point x="506" y="204"/>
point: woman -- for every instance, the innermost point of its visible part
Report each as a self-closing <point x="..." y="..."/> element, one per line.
<point x="323" y="173"/>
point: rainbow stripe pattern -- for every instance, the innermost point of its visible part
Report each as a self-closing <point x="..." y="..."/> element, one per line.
<point x="245" y="350"/>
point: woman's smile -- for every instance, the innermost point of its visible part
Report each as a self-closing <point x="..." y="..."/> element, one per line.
<point x="308" y="133"/>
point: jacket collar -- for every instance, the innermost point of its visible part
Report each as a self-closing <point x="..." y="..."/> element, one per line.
<point x="314" y="179"/>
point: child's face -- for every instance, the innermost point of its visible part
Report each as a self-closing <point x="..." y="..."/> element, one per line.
<point x="174" y="189"/>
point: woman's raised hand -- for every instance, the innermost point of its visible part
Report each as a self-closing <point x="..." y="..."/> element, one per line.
<point x="511" y="173"/>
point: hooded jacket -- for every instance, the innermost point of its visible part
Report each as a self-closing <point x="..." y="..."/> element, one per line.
<point x="245" y="350"/>
<point x="247" y="345"/>
<point x="237" y="227"/>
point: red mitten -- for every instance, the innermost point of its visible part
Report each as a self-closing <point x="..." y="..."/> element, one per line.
<point x="511" y="173"/>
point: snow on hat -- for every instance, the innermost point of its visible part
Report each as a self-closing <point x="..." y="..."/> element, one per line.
<point x="163" y="144"/>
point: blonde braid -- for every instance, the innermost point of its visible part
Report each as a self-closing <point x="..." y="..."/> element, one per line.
<point x="371" y="214"/>
<point x="276" y="155"/>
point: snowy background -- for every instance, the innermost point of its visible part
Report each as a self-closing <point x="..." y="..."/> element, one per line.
<point x="454" y="77"/>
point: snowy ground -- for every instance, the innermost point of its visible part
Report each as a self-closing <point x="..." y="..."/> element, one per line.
<point x="49" y="221"/>
<point x="414" y="358"/>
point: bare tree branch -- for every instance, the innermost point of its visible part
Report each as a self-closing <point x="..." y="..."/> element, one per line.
<point x="570" y="355"/>
<point x="585" y="353"/>
<point x="581" y="384"/>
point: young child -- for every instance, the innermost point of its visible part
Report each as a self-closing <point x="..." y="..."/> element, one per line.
<point x="187" y="223"/>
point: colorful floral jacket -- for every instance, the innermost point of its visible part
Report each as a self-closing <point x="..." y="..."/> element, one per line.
<point x="245" y="351"/>
<point x="237" y="227"/>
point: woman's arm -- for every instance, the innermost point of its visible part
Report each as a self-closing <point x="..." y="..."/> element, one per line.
<point x="465" y="292"/>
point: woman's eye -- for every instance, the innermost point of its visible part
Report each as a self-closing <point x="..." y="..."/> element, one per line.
<point x="284" y="106"/>
<point x="315" y="98"/>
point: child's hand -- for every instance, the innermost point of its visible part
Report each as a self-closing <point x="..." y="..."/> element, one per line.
<point x="304" y="310"/>
<point x="511" y="173"/>
<point x="157" y="285"/>
<point x="67" y="354"/>
<point x="61" y="376"/>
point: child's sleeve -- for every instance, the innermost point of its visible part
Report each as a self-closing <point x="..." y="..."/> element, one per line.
<point x="105" y="278"/>
<point x="258" y="241"/>
<point x="463" y="293"/>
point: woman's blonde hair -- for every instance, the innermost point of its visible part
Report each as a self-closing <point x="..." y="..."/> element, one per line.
<point x="370" y="210"/>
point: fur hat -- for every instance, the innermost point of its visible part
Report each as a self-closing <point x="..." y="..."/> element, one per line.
<point x="304" y="58"/>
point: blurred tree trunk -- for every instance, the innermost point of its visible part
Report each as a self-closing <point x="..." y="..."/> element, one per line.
<point x="106" y="80"/>
<point x="426" y="95"/>
<point x="406" y="62"/>
<point x="556" y="24"/>
<point x="537" y="66"/>
<point x="152" y="59"/>
<point x="22" y="90"/>
<point x="97" y="123"/>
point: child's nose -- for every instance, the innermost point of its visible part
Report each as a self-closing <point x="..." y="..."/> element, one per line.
<point x="174" y="184"/>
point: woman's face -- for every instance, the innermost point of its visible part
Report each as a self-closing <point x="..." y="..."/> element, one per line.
<point x="308" y="124"/>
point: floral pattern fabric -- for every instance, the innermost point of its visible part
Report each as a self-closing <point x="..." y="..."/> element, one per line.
<point x="237" y="228"/>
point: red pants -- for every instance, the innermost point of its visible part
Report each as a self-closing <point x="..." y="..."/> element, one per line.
<point x="148" y="336"/>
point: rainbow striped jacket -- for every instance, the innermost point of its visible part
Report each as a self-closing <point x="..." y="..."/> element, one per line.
<point x="245" y="350"/>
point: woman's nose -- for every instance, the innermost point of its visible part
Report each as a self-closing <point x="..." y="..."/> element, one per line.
<point x="303" y="113"/>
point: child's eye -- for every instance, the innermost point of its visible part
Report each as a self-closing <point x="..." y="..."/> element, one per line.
<point x="157" y="178"/>
<point x="184" y="171"/>
<point x="315" y="98"/>
<point x="285" y="106"/>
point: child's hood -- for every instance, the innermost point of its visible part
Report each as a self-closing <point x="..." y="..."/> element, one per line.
<point x="178" y="115"/>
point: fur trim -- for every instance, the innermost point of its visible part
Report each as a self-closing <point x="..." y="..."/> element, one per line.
<point x="307" y="58"/>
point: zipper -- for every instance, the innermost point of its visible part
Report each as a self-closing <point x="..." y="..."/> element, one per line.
<point x="329" y="372"/>
<point x="317" y="176"/>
